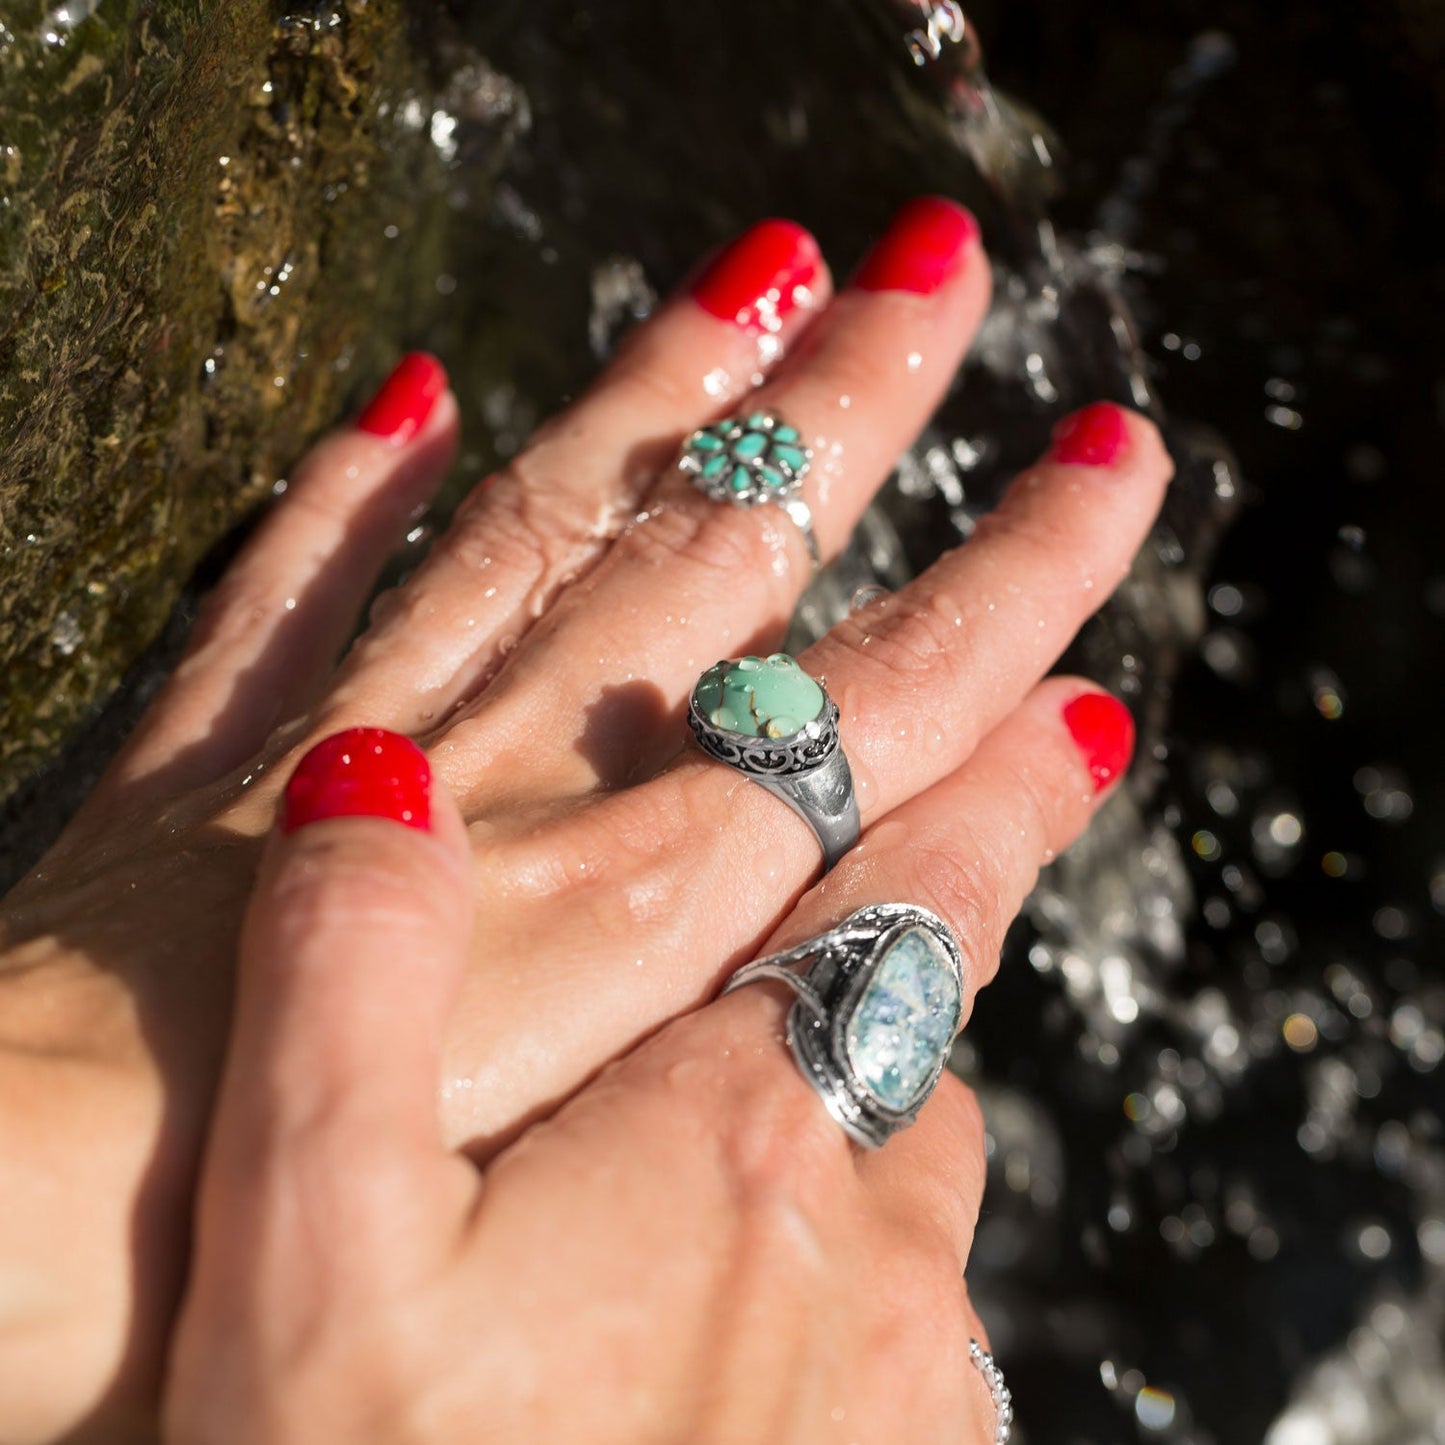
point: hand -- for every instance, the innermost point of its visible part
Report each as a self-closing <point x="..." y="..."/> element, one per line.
<point x="543" y="654"/>
<point x="689" y="1249"/>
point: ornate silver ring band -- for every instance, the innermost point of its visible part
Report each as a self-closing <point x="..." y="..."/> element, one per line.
<point x="879" y="1000"/>
<point x="752" y="460"/>
<point x="766" y="718"/>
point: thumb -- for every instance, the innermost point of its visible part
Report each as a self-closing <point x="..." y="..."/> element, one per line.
<point x="352" y="951"/>
<point x="327" y="1191"/>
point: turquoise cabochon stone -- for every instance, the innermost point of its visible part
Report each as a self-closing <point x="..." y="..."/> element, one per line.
<point x="903" y="1024"/>
<point x="759" y="696"/>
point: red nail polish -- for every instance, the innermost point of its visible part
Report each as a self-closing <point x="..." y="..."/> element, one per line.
<point x="1093" y="437"/>
<point x="1103" y="728"/>
<point x="400" y="409"/>
<point x="360" y="773"/>
<point x="763" y="276"/>
<point x="923" y="247"/>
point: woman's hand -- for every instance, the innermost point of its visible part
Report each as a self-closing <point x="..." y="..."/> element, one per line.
<point x="689" y="1249"/>
<point x="543" y="655"/>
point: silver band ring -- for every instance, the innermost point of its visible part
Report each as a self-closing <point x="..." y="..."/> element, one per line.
<point x="765" y="717"/>
<point x="879" y="1000"/>
<point x="747" y="461"/>
<point x="1003" y="1402"/>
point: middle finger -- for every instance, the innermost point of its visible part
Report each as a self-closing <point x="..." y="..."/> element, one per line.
<point x="691" y="576"/>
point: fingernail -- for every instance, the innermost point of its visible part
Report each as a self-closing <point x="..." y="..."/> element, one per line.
<point x="923" y="247"/>
<point x="400" y="409"/>
<point x="1103" y="729"/>
<point x="360" y="773"/>
<point x="768" y="272"/>
<point x="1093" y="437"/>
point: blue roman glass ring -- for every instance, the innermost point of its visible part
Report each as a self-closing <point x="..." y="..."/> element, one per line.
<point x="879" y="1000"/>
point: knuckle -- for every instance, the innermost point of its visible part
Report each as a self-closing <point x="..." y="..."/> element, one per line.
<point x="958" y="878"/>
<point x="780" y="1145"/>
<point x="496" y="527"/>
<point x="722" y="546"/>
<point x="1036" y="811"/>
<point x="915" y="638"/>
<point x="231" y="612"/>
<point x="643" y="386"/>
<point x="343" y="885"/>
<point x="1029" y="522"/>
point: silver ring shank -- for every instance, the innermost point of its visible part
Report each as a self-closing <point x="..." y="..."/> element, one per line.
<point x="802" y="518"/>
<point x="808" y="771"/>
<point x="825" y="801"/>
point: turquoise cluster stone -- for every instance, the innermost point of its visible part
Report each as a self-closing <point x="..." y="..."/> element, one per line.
<point x="903" y="1025"/>
<point x="761" y="697"/>
<point x="749" y="457"/>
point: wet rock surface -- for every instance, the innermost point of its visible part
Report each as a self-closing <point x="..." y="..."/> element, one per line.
<point x="201" y="254"/>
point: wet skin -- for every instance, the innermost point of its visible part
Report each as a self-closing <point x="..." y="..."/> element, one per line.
<point x="543" y="655"/>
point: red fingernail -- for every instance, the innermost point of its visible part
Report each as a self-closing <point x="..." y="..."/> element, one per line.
<point x="925" y="245"/>
<point x="361" y="773"/>
<point x="1093" y="437"/>
<point x="400" y="409"/>
<point x="764" y="275"/>
<point x="1103" y="728"/>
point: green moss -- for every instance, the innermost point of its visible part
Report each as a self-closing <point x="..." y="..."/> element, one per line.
<point x="195" y="273"/>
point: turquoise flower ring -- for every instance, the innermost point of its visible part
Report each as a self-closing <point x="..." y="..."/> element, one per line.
<point x="879" y="1000"/>
<point x="750" y="460"/>
<point x="766" y="718"/>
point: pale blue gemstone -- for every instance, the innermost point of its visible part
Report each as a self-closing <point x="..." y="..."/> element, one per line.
<point x="705" y="441"/>
<point x="716" y="464"/>
<point x="790" y="457"/>
<point x="905" y="1020"/>
<point x="785" y="434"/>
<point x="750" y="444"/>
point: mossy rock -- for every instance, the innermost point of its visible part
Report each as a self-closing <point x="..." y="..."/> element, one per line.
<point x="215" y="223"/>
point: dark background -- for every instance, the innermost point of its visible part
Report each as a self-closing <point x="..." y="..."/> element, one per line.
<point x="1288" y="212"/>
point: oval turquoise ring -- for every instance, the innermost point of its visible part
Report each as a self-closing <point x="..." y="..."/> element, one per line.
<point x="751" y="460"/>
<point x="879" y="999"/>
<point x="778" y="727"/>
